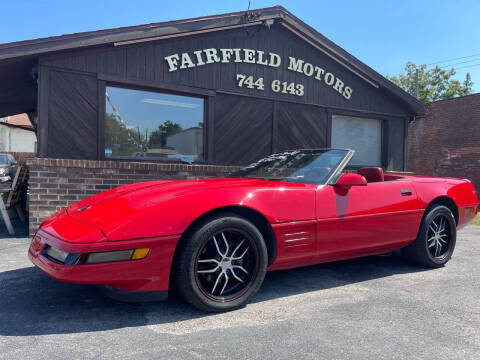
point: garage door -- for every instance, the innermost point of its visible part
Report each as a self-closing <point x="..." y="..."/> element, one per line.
<point x="360" y="134"/>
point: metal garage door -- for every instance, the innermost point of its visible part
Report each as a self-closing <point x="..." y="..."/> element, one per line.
<point x="360" y="134"/>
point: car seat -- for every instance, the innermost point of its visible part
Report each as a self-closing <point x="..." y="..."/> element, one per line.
<point x="371" y="173"/>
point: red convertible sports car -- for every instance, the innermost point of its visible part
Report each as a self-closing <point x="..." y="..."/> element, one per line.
<point x="214" y="239"/>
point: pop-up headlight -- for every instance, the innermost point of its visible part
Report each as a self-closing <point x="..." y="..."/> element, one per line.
<point x="60" y="256"/>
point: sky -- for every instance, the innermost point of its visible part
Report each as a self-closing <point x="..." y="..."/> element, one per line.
<point x="140" y="108"/>
<point x="384" y="34"/>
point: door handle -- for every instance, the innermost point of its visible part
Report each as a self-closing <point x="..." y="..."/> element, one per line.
<point x="406" y="192"/>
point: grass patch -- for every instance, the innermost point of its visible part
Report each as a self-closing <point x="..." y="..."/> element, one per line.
<point x="476" y="221"/>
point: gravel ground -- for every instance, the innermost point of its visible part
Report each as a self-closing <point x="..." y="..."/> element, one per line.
<point x="376" y="307"/>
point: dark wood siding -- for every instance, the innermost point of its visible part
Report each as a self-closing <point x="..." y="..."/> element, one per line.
<point x="145" y="62"/>
<point x="72" y="116"/>
<point x="396" y="143"/>
<point x="300" y="126"/>
<point x="242" y="124"/>
<point x="242" y="130"/>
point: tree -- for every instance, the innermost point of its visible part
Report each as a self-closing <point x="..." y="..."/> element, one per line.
<point x="433" y="84"/>
<point x="467" y="84"/>
<point x="119" y="139"/>
<point x="158" y="138"/>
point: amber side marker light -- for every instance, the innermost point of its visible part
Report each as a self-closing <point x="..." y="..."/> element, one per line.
<point x="119" y="255"/>
<point x="140" y="253"/>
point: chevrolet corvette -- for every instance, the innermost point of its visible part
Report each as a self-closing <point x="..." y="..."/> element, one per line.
<point x="213" y="240"/>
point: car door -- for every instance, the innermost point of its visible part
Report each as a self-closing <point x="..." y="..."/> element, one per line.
<point x="366" y="219"/>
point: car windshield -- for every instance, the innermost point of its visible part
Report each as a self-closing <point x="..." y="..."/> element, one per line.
<point x="3" y="159"/>
<point x="302" y="166"/>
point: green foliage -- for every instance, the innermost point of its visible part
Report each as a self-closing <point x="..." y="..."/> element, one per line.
<point x="467" y="84"/>
<point x="126" y="142"/>
<point x="158" y="138"/>
<point x="433" y="84"/>
<point x="121" y="140"/>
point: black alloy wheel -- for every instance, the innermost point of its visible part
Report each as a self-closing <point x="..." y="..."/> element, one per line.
<point x="226" y="265"/>
<point x="436" y="238"/>
<point x="439" y="237"/>
<point x="222" y="264"/>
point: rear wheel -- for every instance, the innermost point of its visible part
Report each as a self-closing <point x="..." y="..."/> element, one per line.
<point x="436" y="239"/>
<point x="222" y="264"/>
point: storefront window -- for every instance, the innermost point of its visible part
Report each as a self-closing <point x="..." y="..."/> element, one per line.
<point x="152" y="125"/>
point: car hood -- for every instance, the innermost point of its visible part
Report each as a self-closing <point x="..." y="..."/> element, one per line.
<point x="127" y="207"/>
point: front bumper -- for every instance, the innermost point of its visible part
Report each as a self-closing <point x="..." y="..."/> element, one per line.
<point x="149" y="274"/>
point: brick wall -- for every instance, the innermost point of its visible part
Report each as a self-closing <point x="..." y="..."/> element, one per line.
<point x="447" y="141"/>
<point x="56" y="183"/>
<point x="22" y="157"/>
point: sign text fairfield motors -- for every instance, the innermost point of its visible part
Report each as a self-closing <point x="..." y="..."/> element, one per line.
<point x="212" y="55"/>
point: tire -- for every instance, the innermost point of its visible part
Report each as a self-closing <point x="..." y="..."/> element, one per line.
<point x="221" y="264"/>
<point x="436" y="239"/>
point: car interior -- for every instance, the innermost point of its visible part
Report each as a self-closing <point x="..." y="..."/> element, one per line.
<point x="375" y="174"/>
<point x="371" y="174"/>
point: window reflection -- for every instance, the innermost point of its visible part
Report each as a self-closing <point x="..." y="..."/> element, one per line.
<point x="143" y="124"/>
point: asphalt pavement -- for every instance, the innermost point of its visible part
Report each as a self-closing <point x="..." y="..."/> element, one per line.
<point x="369" y="308"/>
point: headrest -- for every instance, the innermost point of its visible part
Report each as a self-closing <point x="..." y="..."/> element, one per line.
<point x="371" y="173"/>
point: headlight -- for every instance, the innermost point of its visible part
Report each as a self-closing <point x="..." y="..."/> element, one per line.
<point x="3" y="171"/>
<point x="65" y="258"/>
<point x="119" y="255"/>
<point x="61" y="256"/>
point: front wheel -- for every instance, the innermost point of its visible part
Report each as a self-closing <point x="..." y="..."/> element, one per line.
<point x="435" y="240"/>
<point x="222" y="264"/>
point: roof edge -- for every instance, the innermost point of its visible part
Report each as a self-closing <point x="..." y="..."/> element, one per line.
<point x="103" y="36"/>
<point x="416" y="105"/>
<point x="453" y="98"/>
<point x="32" y="48"/>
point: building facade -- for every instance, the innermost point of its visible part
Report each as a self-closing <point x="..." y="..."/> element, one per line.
<point x="446" y="142"/>
<point x="223" y="90"/>
<point x="17" y="134"/>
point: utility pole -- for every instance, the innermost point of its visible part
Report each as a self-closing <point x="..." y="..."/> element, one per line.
<point x="139" y="136"/>
<point x="146" y="140"/>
